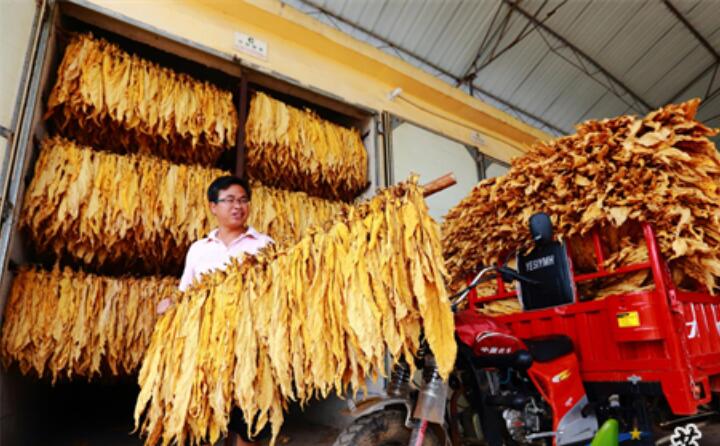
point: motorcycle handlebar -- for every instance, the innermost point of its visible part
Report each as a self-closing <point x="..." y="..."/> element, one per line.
<point x="462" y="295"/>
<point x="508" y="275"/>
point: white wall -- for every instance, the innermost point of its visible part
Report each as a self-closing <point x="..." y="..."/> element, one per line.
<point x="4" y="145"/>
<point x="430" y="155"/>
<point x="16" y="18"/>
<point x="495" y="169"/>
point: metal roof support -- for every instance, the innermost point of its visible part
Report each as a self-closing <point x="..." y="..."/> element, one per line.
<point x="430" y="64"/>
<point x="695" y="80"/>
<point x="579" y="52"/>
<point x="692" y="29"/>
<point x="712" y="118"/>
<point x="515" y="108"/>
<point x="380" y="38"/>
<point x="499" y="34"/>
<point x="486" y="36"/>
<point x="709" y="97"/>
<point x="578" y="63"/>
<point x="709" y="94"/>
<point x="711" y="83"/>
<point x="473" y="70"/>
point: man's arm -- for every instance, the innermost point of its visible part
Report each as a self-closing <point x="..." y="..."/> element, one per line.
<point x="186" y="280"/>
<point x="188" y="274"/>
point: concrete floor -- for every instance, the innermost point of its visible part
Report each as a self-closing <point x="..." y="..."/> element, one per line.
<point x="100" y="414"/>
<point x="710" y="433"/>
<point x="294" y="433"/>
<point x="297" y="433"/>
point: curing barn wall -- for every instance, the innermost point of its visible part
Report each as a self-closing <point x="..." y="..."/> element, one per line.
<point x="16" y="22"/>
<point x="318" y="56"/>
<point x="35" y="411"/>
<point x="20" y="400"/>
<point x="31" y="408"/>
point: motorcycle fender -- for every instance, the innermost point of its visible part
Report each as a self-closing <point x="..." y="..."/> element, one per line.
<point x="379" y="403"/>
<point x="560" y="384"/>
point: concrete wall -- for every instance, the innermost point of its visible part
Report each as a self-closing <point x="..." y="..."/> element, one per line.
<point x="430" y="155"/>
<point x="4" y="146"/>
<point x="16" y="20"/>
<point x="495" y="169"/>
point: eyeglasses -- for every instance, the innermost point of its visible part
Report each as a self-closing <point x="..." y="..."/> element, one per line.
<point x="232" y="200"/>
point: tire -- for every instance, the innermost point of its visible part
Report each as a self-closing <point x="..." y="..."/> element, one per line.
<point x="383" y="428"/>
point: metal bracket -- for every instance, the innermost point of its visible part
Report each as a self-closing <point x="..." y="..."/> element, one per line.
<point x="379" y="125"/>
<point x="7" y="134"/>
<point x="7" y="211"/>
<point x="539" y="435"/>
<point x="634" y="379"/>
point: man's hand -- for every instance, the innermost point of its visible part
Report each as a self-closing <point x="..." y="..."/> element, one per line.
<point x="163" y="306"/>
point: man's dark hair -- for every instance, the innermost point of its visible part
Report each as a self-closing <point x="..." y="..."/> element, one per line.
<point x="222" y="183"/>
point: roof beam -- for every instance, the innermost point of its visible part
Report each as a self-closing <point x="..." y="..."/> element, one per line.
<point x="712" y="118"/>
<point x="484" y="40"/>
<point x="472" y="71"/>
<point x="694" y="81"/>
<point x="380" y="38"/>
<point x="475" y="67"/>
<point x="516" y="109"/>
<point x="711" y="83"/>
<point x="430" y="64"/>
<point x="578" y="51"/>
<point x="678" y="15"/>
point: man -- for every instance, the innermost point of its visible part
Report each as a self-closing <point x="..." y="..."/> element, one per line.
<point x="229" y="199"/>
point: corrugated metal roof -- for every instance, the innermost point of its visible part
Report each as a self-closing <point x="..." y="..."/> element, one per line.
<point x="641" y="43"/>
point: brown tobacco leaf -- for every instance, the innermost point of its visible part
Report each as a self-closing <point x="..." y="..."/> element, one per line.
<point x="141" y="212"/>
<point x="296" y="150"/>
<point x="64" y="323"/>
<point x="612" y="174"/>
<point x="298" y="322"/>
<point x="113" y="100"/>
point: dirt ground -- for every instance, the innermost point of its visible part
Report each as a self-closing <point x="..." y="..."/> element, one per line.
<point x="100" y="414"/>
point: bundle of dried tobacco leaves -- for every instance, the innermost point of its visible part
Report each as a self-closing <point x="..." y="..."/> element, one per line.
<point x="107" y="98"/>
<point x="73" y="324"/>
<point x="296" y="150"/>
<point x="141" y="212"/>
<point x="314" y="318"/>
<point x="612" y="175"/>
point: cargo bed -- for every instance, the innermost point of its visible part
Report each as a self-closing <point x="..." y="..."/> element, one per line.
<point x="658" y="337"/>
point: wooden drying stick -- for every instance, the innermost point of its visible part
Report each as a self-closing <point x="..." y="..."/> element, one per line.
<point x="439" y="184"/>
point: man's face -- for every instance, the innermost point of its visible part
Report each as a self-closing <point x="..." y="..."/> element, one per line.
<point x="232" y="208"/>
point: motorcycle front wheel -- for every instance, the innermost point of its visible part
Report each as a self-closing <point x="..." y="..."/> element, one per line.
<point x="383" y="428"/>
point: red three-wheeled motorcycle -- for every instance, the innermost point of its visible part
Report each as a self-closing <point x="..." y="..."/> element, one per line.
<point x="625" y="369"/>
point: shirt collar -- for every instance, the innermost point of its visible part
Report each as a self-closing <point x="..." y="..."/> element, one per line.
<point x="251" y="232"/>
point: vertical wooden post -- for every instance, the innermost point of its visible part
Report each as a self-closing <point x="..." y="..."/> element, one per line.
<point x="242" y="107"/>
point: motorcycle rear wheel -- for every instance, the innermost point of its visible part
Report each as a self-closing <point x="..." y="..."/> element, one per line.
<point x="383" y="428"/>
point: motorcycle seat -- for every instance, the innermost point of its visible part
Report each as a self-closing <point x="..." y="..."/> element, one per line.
<point x="547" y="348"/>
<point x="549" y="265"/>
<point x="549" y="268"/>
